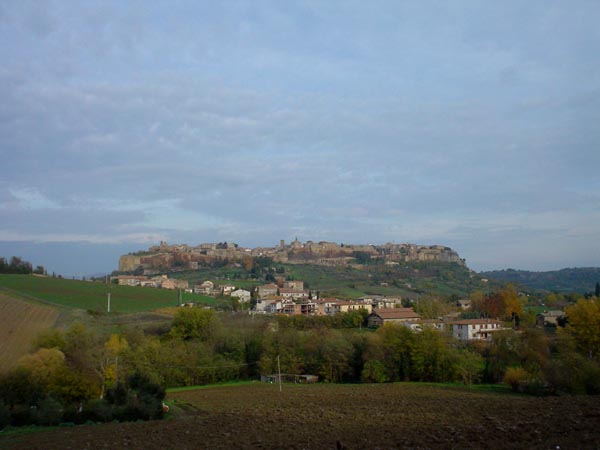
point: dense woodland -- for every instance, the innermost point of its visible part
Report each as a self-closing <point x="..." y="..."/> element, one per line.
<point x="84" y="374"/>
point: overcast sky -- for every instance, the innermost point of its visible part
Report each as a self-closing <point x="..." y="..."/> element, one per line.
<point x="472" y="124"/>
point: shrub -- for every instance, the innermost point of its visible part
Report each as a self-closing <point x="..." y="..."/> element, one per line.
<point x="374" y="372"/>
<point x="516" y="378"/>
<point x="98" y="411"/>
<point x="4" y="415"/>
<point x="49" y="412"/>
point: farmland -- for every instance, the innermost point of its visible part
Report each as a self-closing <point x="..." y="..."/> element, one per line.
<point x="21" y="321"/>
<point x="93" y="295"/>
<point x="343" y="416"/>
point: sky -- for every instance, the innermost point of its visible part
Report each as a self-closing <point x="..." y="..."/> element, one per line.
<point x="471" y="124"/>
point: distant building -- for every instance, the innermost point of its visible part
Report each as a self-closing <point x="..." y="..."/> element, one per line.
<point x="227" y="289"/>
<point x="267" y="289"/>
<point x="548" y="318"/>
<point x="294" y="284"/>
<point x="476" y="329"/>
<point x="128" y="280"/>
<point x="295" y="294"/>
<point x="243" y="295"/>
<point x="206" y="288"/>
<point x="344" y="307"/>
<point x="171" y="283"/>
<point x="393" y="315"/>
<point x="464" y="303"/>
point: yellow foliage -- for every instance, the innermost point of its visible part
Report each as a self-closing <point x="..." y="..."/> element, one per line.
<point x="514" y="376"/>
<point x="43" y="363"/>
<point x="115" y="345"/>
<point x="584" y="325"/>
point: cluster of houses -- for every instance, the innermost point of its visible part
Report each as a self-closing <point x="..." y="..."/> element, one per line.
<point x="160" y="281"/>
<point x="293" y="299"/>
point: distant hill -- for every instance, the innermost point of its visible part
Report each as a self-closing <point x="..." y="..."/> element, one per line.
<point x="580" y="280"/>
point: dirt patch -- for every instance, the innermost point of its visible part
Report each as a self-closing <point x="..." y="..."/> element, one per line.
<point x="20" y="322"/>
<point x="341" y="416"/>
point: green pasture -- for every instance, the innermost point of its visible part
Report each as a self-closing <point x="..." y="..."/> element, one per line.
<point x="93" y="295"/>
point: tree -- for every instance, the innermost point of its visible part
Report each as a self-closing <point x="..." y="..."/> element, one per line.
<point x="374" y="372"/>
<point x="515" y="377"/>
<point x="43" y="364"/>
<point x="194" y="323"/>
<point x="108" y="361"/>
<point x="432" y="307"/>
<point x="468" y="365"/>
<point x="584" y="325"/>
<point x="51" y="338"/>
<point x="597" y="290"/>
<point x="504" y="303"/>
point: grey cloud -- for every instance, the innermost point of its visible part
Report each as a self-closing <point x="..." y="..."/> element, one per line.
<point x="331" y="121"/>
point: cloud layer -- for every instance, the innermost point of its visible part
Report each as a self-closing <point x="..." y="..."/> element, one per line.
<point x="469" y="126"/>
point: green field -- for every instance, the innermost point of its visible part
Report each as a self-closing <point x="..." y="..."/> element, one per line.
<point x="93" y="295"/>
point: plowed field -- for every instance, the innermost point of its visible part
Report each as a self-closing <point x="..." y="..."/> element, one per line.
<point x="19" y="323"/>
<point x="342" y="416"/>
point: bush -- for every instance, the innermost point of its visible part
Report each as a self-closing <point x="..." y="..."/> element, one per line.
<point x="573" y="374"/>
<point x="138" y="399"/>
<point x="4" y="415"/>
<point x="98" y="411"/>
<point x="516" y="378"/>
<point x="49" y="412"/>
<point x="374" y="372"/>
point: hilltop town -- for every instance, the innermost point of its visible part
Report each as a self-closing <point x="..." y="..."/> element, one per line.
<point x="165" y="257"/>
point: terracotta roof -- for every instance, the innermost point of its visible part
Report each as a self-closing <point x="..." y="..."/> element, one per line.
<point x="396" y="313"/>
<point x="476" y="321"/>
<point x="292" y="291"/>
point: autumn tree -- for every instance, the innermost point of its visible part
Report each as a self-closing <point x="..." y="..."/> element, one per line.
<point x="583" y="324"/>
<point x="432" y="307"/>
<point x="504" y="303"/>
<point x="107" y="361"/>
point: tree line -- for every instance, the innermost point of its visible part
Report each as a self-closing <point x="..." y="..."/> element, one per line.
<point x="85" y="374"/>
<point x="17" y="265"/>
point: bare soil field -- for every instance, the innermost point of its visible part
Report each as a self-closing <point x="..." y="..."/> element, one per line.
<point x="19" y="323"/>
<point x="390" y="416"/>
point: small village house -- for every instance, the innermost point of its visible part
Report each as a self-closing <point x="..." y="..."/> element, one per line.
<point x="476" y="329"/>
<point x="243" y="295"/>
<point x="393" y="315"/>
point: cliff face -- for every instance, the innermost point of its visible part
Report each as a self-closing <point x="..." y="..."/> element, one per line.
<point x="172" y="257"/>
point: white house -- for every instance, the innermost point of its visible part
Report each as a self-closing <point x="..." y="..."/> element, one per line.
<point x="480" y="329"/>
<point x="242" y="295"/>
<point x="206" y="288"/>
<point x="227" y="289"/>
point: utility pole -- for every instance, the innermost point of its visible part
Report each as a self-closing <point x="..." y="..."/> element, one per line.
<point x="279" y="370"/>
<point x="108" y="308"/>
<point x="179" y="297"/>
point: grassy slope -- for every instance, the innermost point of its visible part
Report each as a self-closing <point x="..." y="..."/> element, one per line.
<point x="92" y="295"/>
<point x="407" y="280"/>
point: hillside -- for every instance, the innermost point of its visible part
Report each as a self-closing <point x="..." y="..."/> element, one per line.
<point x="20" y="321"/>
<point x="580" y="280"/>
<point x="89" y="295"/>
<point x="165" y="257"/>
<point x="375" y="278"/>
